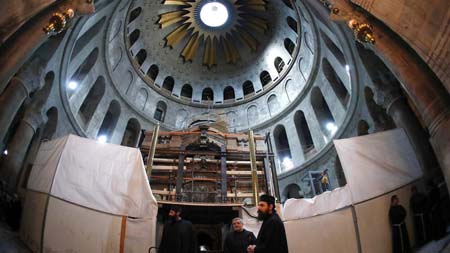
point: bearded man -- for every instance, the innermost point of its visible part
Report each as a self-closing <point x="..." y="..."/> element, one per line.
<point x="271" y="236"/>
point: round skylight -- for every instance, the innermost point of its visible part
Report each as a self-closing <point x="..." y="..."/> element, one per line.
<point x="214" y="14"/>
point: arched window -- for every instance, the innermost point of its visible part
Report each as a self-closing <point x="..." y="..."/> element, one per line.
<point x="282" y="146"/>
<point x="132" y="132"/>
<point x="141" y="56"/>
<point x="288" y="3"/>
<point x="110" y="121"/>
<point x="248" y="88"/>
<point x="160" y="111"/>
<point x="51" y="124"/>
<point x="85" y="67"/>
<point x="168" y="83"/>
<point x="335" y="82"/>
<point x="153" y="72"/>
<point x="303" y="132"/>
<point x="292" y="191"/>
<point x="323" y="113"/>
<point x="208" y="94"/>
<point x="92" y="100"/>
<point x="228" y="93"/>
<point x="134" y="14"/>
<point x="134" y="36"/>
<point x="265" y="78"/>
<point x="279" y="64"/>
<point x="186" y="91"/>
<point x="292" y="24"/>
<point x="289" y="45"/>
<point x="363" y="128"/>
<point x="252" y="115"/>
<point x="273" y="104"/>
<point x="87" y="37"/>
<point x="333" y="48"/>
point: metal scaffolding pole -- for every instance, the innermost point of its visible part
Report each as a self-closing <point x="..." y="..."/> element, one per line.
<point x="151" y="152"/>
<point x="254" y="168"/>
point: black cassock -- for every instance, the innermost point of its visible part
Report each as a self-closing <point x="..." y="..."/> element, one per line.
<point x="272" y="236"/>
<point x="437" y="222"/>
<point x="419" y="206"/>
<point x="237" y="242"/>
<point x="400" y="240"/>
<point x="178" y="237"/>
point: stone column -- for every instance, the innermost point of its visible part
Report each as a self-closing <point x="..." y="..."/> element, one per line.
<point x="18" y="147"/>
<point x="10" y="102"/>
<point x="430" y="97"/>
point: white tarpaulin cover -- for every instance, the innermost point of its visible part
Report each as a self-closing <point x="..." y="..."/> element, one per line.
<point x="378" y="163"/>
<point x="104" y="177"/>
<point x="84" y="196"/>
<point x="324" y="203"/>
<point x="373" y="165"/>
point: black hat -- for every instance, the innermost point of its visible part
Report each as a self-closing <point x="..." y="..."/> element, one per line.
<point x="267" y="198"/>
<point x="175" y="208"/>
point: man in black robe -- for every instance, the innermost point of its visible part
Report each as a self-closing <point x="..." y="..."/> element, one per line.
<point x="239" y="239"/>
<point x="178" y="236"/>
<point x="271" y="236"/>
<point x="397" y="215"/>
<point x="419" y="205"/>
<point x="437" y="221"/>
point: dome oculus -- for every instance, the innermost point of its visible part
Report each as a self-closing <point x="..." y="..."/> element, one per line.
<point x="214" y="14"/>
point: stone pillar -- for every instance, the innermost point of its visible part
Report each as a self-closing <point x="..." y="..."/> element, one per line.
<point x="17" y="149"/>
<point x="10" y="103"/>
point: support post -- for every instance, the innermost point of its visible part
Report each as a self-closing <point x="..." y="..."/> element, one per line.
<point x="254" y="168"/>
<point x="151" y="152"/>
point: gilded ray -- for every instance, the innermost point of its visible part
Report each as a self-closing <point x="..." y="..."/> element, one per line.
<point x="176" y="35"/>
<point x="231" y="53"/>
<point x="209" y="56"/>
<point x="190" y="50"/>
<point x="248" y="39"/>
<point x="170" y="18"/>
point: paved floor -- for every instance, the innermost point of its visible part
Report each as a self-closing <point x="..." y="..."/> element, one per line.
<point x="10" y="243"/>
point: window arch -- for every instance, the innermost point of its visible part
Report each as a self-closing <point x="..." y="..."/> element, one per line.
<point x="141" y="56"/>
<point x="186" y="91"/>
<point x="134" y="14"/>
<point x="333" y="48"/>
<point x="51" y="124"/>
<point x="92" y="100"/>
<point x="85" y="67"/>
<point x="322" y="112"/>
<point x="292" y="24"/>
<point x="335" y="82"/>
<point x="248" y="88"/>
<point x="132" y="133"/>
<point x="363" y="128"/>
<point x="288" y="3"/>
<point x="282" y="143"/>
<point x="110" y="120"/>
<point x="207" y="94"/>
<point x="168" y="83"/>
<point x="279" y="64"/>
<point x="153" y="72"/>
<point x="160" y="111"/>
<point x="303" y="132"/>
<point x="134" y="36"/>
<point x="273" y="104"/>
<point x="228" y="93"/>
<point x="289" y="46"/>
<point x="252" y="115"/>
<point x="87" y="37"/>
<point x="265" y="78"/>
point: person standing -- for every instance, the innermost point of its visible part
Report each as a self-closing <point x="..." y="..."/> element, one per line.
<point x="178" y="235"/>
<point x="239" y="239"/>
<point x="437" y="221"/>
<point x="272" y="236"/>
<point x="397" y="215"/>
<point x="419" y="204"/>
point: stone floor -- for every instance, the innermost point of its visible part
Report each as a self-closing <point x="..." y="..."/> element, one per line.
<point x="10" y="243"/>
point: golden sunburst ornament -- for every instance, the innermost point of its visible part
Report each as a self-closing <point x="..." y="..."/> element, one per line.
<point x="214" y="24"/>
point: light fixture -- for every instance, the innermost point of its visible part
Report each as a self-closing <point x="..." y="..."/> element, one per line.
<point x="347" y="69"/>
<point x="287" y="163"/>
<point x="331" y="127"/>
<point x="5" y="152"/>
<point x="102" y="138"/>
<point x="214" y="14"/>
<point x="72" y="85"/>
